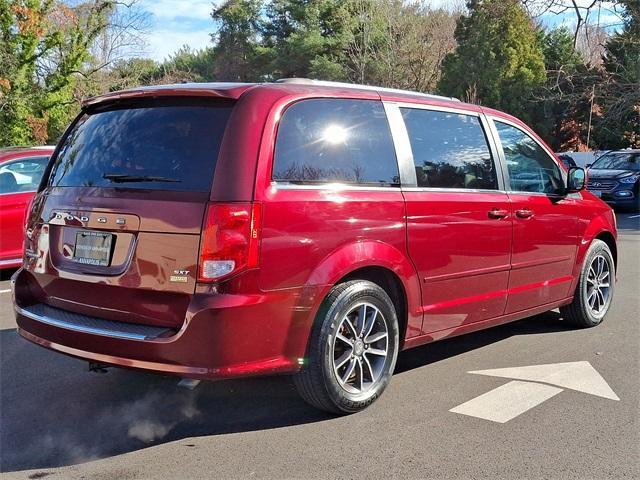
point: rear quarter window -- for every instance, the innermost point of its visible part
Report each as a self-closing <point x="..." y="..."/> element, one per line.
<point x="164" y="145"/>
<point x="335" y="140"/>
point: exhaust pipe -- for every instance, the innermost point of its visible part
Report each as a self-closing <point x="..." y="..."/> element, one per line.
<point x="188" y="383"/>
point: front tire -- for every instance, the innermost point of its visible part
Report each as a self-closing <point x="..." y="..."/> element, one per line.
<point x="352" y="349"/>
<point x="594" y="291"/>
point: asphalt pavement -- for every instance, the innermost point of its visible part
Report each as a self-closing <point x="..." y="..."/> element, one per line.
<point x="58" y="421"/>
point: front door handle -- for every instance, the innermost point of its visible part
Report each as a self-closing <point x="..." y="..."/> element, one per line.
<point x="524" y="213"/>
<point x="498" y="213"/>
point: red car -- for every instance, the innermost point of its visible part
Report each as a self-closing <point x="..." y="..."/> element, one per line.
<point x="301" y="227"/>
<point x="20" y="173"/>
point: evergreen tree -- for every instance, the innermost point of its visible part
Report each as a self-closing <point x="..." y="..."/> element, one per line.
<point x="498" y="61"/>
<point x="307" y="38"/>
<point x="236" y="52"/>
<point x="559" y="109"/>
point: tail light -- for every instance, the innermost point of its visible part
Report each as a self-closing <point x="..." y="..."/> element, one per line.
<point x="230" y="240"/>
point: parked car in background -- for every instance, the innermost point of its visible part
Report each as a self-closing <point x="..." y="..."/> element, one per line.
<point x="21" y="169"/>
<point x="567" y="160"/>
<point x="301" y="227"/>
<point x="615" y="178"/>
<point x="582" y="159"/>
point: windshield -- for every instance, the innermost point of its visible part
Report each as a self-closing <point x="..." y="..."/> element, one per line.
<point x="165" y="145"/>
<point x="618" y="161"/>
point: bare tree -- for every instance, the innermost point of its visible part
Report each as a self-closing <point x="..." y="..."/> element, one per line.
<point x="591" y="44"/>
<point x="401" y="44"/>
<point x="585" y="12"/>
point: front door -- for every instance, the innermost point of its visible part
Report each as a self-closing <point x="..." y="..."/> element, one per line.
<point x="458" y="219"/>
<point x="545" y="222"/>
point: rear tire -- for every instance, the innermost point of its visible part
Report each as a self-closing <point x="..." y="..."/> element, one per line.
<point x="352" y="349"/>
<point x="594" y="291"/>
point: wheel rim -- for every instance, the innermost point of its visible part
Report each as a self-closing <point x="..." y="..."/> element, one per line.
<point x="360" y="348"/>
<point x="597" y="289"/>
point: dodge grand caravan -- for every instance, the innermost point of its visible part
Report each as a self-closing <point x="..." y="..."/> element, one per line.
<point x="301" y="227"/>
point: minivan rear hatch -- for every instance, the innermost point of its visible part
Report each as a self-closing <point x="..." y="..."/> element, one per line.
<point x="123" y="206"/>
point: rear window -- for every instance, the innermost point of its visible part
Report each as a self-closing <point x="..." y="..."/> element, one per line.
<point x="167" y="145"/>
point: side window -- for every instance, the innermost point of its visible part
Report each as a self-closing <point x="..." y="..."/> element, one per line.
<point x="450" y="150"/>
<point x="22" y="175"/>
<point x="530" y="168"/>
<point x="333" y="140"/>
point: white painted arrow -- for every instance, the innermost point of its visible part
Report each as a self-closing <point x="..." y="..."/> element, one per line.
<point x="516" y="397"/>
<point x="580" y="376"/>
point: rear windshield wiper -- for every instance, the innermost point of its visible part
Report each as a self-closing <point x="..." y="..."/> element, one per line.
<point x="118" y="177"/>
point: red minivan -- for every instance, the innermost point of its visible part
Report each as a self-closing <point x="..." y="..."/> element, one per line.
<point x="301" y="227"/>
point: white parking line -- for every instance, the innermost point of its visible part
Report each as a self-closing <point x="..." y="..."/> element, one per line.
<point x="5" y="291"/>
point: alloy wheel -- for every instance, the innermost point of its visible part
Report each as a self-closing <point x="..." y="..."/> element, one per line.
<point x="598" y="286"/>
<point x="360" y="348"/>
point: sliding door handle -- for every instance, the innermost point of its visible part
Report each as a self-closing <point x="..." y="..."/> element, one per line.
<point x="524" y="213"/>
<point x="498" y="213"/>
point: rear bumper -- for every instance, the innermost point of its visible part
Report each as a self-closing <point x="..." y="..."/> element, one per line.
<point x="223" y="336"/>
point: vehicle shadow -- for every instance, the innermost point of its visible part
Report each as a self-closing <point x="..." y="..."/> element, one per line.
<point x="54" y="413"/>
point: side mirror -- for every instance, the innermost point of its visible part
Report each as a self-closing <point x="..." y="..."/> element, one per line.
<point x="588" y="165"/>
<point x="576" y="180"/>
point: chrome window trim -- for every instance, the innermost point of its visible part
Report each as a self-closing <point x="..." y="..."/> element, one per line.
<point x="333" y="186"/>
<point x="452" y="190"/>
<point x="402" y="145"/>
<point x="502" y="175"/>
<point x="473" y="190"/>
<point x="439" y="108"/>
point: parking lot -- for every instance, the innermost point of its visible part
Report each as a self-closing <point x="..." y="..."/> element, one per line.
<point x="60" y="421"/>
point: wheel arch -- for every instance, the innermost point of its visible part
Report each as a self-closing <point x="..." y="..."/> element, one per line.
<point x="600" y="227"/>
<point x="608" y="238"/>
<point x="382" y="264"/>
<point x="390" y="283"/>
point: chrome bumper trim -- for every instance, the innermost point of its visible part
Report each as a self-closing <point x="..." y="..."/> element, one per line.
<point x="92" y="325"/>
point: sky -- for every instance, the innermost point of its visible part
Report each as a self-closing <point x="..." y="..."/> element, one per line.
<point x="174" y="23"/>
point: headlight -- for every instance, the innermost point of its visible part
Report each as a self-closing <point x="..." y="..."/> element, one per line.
<point x="628" y="179"/>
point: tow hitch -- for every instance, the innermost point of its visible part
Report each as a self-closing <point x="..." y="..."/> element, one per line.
<point x="98" y="367"/>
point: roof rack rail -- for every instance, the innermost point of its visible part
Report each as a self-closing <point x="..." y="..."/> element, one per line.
<point x="324" y="83"/>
